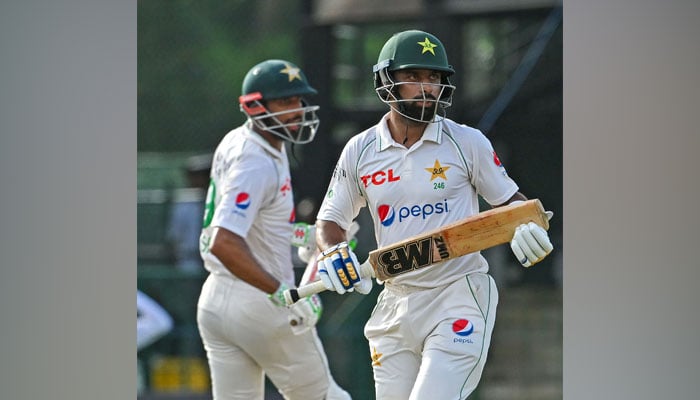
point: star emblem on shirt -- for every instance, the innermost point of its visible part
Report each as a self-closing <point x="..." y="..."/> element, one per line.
<point x="292" y="72"/>
<point x="437" y="171"/>
<point x="375" y="357"/>
<point x="427" y="46"/>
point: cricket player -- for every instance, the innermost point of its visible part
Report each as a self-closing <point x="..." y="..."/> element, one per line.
<point x="247" y="330"/>
<point x="417" y="170"/>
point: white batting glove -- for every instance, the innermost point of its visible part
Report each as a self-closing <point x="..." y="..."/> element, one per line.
<point x="304" y="238"/>
<point x="305" y="314"/>
<point x="530" y="244"/>
<point x="340" y="271"/>
<point x="365" y="285"/>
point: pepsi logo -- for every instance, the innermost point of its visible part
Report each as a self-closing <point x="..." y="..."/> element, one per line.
<point x="242" y="200"/>
<point x="463" y="327"/>
<point x="386" y="214"/>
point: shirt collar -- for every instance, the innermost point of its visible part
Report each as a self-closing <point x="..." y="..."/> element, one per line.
<point x="251" y="134"/>
<point x="433" y="133"/>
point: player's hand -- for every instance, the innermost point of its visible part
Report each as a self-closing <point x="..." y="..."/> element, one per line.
<point x="278" y="296"/>
<point x="530" y="244"/>
<point x="340" y="271"/>
<point x="305" y="314"/>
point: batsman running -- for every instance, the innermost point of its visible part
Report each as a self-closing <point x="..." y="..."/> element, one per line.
<point x="247" y="329"/>
<point x="417" y="171"/>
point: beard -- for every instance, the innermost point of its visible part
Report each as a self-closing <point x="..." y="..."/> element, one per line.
<point x="419" y="112"/>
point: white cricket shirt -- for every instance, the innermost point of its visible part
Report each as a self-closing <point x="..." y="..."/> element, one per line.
<point x="251" y="196"/>
<point x="409" y="191"/>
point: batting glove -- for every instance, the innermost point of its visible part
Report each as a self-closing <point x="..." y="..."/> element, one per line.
<point x="530" y="244"/>
<point x="340" y="271"/>
<point x="278" y="296"/>
<point x="304" y="238"/>
<point x="305" y="314"/>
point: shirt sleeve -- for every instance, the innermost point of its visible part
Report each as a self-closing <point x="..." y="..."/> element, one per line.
<point x="243" y="194"/>
<point x="343" y="200"/>
<point x="489" y="176"/>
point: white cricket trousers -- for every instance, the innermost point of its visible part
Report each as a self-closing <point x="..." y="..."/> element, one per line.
<point x="431" y="344"/>
<point x="246" y="336"/>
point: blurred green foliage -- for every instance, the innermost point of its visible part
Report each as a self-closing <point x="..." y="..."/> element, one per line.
<point x="192" y="56"/>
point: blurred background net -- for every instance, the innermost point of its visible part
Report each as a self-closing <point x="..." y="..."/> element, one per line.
<point x="192" y="56"/>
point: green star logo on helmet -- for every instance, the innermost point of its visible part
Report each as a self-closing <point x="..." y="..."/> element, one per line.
<point x="427" y="46"/>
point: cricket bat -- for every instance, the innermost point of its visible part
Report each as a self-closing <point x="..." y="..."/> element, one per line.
<point x="478" y="232"/>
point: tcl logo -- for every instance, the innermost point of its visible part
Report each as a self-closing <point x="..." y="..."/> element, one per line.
<point x="380" y="178"/>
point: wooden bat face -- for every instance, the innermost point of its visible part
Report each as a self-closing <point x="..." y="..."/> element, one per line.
<point x="415" y="254"/>
<point x="478" y="232"/>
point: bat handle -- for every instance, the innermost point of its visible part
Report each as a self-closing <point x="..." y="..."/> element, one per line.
<point x="291" y="296"/>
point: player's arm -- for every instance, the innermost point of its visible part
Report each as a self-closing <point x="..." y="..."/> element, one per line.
<point x="328" y="233"/>
<point x="516" y="197"/>
<point x="233" y="251"/>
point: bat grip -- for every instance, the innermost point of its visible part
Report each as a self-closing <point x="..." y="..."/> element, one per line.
<point x="291" y="296"/>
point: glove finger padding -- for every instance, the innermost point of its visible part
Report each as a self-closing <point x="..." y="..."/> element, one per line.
<point x="364" y="286"/>
<point x="519" y="253"/>
<point x="324" y="276"/>
<point x="339" y="269"/>
<point x="306" y="314"/>
<point x="328" y="275"/>
<point x="530" y="244"/>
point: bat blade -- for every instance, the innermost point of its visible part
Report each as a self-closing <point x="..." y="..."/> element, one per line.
<point x="478" y="232"/>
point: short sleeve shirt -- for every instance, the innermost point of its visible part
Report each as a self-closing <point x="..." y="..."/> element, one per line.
<point x="435" y="182"/>
<point x="250" y="194"/>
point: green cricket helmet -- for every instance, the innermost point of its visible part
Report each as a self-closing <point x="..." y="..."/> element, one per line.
<point x="279" y="79"/>
<point x="413" y="49"/>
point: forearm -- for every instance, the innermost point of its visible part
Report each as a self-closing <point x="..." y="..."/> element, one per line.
<point x="516" y="197"/>
<point x="328" y="233"/>
<point x="234" y="253"/>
